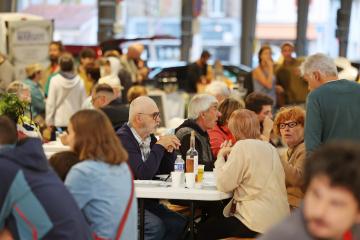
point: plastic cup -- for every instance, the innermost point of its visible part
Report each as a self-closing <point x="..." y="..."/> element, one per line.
<point x="190" y="180"/>
<point x="177" y="179"/>
<point x="200" y="173"/>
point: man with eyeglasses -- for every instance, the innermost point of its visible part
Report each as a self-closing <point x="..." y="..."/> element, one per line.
<point x="332" y="106"/>
<point x="148" y="157"/>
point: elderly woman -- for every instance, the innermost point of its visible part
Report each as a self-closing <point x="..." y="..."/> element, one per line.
<point x="289" y="124"/>
<point x="221" y="133"/>
<point x="253" y="172"/>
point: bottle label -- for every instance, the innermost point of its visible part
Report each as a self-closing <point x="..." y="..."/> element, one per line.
<point x="179" y="167"/>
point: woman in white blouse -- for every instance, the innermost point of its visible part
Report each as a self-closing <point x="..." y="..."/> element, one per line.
<point x="252" y="170"/>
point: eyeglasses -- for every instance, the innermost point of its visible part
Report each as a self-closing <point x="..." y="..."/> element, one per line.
<point x="154" y="115"/>
<point x="290" y="125"/>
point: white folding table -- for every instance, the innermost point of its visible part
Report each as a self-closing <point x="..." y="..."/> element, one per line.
<point x="158" y="190"/>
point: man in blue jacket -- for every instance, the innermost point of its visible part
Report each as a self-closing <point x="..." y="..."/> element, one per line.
<point x="34" y="203"/>
<point x="148" y="157"/>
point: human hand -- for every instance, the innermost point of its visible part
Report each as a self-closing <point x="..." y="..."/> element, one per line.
<point x="169" y="142"/>
<point x="5" y="234"/>
<point x="64" y="138"/>
<point x="279" y="89"/>
<point x="267" y="126"/>
<point x="225" y="148"/>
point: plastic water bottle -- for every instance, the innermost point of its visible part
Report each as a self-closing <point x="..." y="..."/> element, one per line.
<point x="179" y="165"/>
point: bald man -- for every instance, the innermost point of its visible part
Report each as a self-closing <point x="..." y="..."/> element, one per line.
<point x="133" y="64"/>
<point x="148" y="157"/>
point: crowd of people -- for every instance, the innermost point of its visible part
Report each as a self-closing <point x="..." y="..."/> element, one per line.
<point x="102" y="111"/>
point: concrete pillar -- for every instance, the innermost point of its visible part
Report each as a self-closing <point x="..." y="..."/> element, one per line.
<point x="248" y="23"/>
<point x="301" y="27"/>
<point x="343" y="25"/>
<point x="106" y="19"/>
<point x="186" y="29"/>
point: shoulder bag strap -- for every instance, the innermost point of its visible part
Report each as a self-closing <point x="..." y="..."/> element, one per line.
<point x="128" y="207"/>
<point x="126" y="213"/>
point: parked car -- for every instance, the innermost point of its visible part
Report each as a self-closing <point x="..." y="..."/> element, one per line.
<point x="159" y="76"/>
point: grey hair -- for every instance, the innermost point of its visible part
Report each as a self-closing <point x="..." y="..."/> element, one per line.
<point x="200" y="103"/>
<point x="319" y="62"/>
<point x="217" y="88"/>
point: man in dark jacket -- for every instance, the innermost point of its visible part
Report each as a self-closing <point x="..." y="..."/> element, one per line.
<point x="103" y="98"/>
<point x="148" y="157"/>
<point x="202" y="116"/>
<point x="34" y="203"/>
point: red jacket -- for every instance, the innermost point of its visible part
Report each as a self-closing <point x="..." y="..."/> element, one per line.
<point x="217" y="136"/>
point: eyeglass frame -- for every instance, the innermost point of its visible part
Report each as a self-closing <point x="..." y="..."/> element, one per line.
<point x="288" y="124"/>
<point x="154" y="115"/>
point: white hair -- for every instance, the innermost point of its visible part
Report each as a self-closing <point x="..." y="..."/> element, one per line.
<point x="218" y="88"/>
<point x="321" y="63"/>
<point x="200" y="103"/>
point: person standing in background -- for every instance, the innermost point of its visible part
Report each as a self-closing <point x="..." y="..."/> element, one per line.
<point x="332" y="107"/>
<point x="7" y="73"/>
<point x="56" y="48"/>
<point x="263" y="75"/>
<point x="87" y="58"/>
<point x="288" y="76"/>
<point x="198" y="73"/>
<point x="34" y="75"/>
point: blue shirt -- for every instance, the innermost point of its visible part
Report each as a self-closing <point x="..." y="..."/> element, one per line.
<point x="102" y="192"/>
<point x="37" y="97"/>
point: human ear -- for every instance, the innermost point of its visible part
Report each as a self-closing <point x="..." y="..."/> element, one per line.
<point x="357" y="218"/>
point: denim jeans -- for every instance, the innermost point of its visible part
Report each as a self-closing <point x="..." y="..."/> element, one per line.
<point x="163" y="224"/>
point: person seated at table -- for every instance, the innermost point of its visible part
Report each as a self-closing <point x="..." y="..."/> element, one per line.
<point x="221" y="133"/>
<point x="62" y="162"/>
<point x="136" y="91"/>
<point x="101" y="183"/>
<point x="289" y="124"/>
<point x="202" y="116"/>
<point x="261" y="104"/>
<point x="219" y="90"/>
<point x="34" y="202"/>
<point x="331" y="207"/>
<point x="148" y="157"/>
<point x="252" y="170"/>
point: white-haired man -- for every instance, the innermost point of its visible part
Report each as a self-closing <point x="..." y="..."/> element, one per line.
<point x="218" y="89"/>
<point x="332" y="105"/>
<point x="148" y="157"/>
<point x="202" y="116"/>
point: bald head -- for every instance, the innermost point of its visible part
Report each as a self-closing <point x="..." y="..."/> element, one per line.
<point x="134" y="51"/>
<point x="142" y="104"/>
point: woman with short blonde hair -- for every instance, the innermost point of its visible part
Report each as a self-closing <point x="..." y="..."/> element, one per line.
<point x="252" y="170"/>
<point x="101" y="182"/>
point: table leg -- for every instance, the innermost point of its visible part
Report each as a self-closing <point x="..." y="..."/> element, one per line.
<point x="142" y="218"/>
<point x="192" y="218"/>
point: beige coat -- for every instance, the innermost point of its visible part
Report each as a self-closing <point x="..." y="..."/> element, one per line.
<point x="253" y="171"/>
<point x="293" y="166"/>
